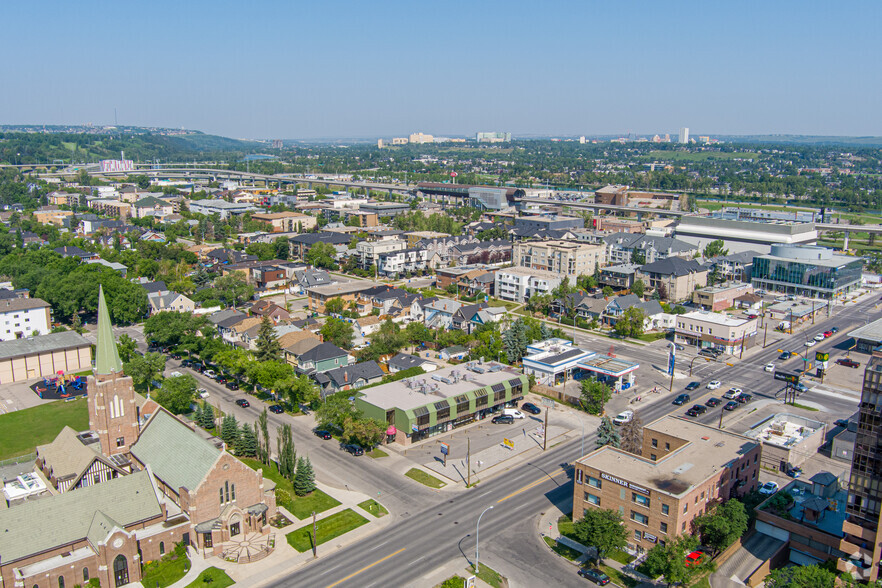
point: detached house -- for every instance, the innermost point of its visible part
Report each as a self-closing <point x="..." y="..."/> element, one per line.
<point x="439" y="314"/>
<point x="321" y="358"/>
<point x="674" y="278"/>
<point x="349" y="377"/>
<point x="171" y="301"/>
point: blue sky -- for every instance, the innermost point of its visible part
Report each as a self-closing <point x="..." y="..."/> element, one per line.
<point x="291" y="69"/>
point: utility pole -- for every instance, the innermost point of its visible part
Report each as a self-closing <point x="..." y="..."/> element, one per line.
<point x="721" y="417"/>
<point x="766" y="335"/>
<point x="545" y="436"/>
<point x="314" y="538"/>
<point x="468" y="462"/>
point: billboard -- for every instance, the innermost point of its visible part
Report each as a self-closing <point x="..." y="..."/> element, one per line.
<point x="117" y="165"/>
<point x="789" y="377"/>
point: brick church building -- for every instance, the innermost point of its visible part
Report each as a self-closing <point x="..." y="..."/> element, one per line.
<point x="124" y="493"/>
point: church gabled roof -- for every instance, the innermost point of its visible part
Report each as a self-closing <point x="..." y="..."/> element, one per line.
<point x="106" y="354"/>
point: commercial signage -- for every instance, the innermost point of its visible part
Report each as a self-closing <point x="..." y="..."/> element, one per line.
<point x="788" y="377"/>
<point x="672" y="358"/>
<point x="621" y="482"/>
<point x="445" y="448"/>
<point x="508" y="443"/>
<point x="650" y="537"/>
<point x="822" y="356"/>
<point x="549" y="402"/>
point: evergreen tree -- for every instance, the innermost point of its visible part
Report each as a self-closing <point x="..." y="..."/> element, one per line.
<point x="304" y="480"/>
<point x="207" y="421"/>
<point x="514" y="341"/>
<point x="247" y="443"/>
<point x="607" y="434"/>
<point x="197" y="415"/>
<point x="261" y="431"/>
<point x="285" y="450"/>
<point x="545" y="331"/>
<point x="268" y="348"/>
<point x="230" y="431"/>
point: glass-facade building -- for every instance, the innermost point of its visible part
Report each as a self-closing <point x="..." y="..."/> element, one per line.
<point x="806" y="271"/>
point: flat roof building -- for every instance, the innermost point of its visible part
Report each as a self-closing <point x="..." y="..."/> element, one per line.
<point x="711" y="330"/>
<point x="788" y="440"/>
<point x="319" y="295"/>
<point x="423" y="406"/>
<point x="548" y="223"/>
<point x="563" y="258"/>
<point x="867" y="337"/>
<point x="815" y="272"/>
<point x="685" y="469"/>
<point x="739" y="235"/>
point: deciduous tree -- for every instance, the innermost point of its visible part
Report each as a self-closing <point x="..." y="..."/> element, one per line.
<point x="177" y="394"/>
<point x="601" y="529"/>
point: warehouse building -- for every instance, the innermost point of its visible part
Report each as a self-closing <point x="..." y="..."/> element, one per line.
<point x="43" y="356"/>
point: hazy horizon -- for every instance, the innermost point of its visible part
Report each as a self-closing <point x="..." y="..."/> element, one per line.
<point x="351" y="70"/>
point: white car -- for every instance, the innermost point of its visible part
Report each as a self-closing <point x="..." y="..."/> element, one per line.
<point x="810" y="343"/>
<point x="623" y="417"/>
<point x="768" y="488"/>
<point x="209" y="374"/>
<point x="713" y="384"/>
<point x="819" y="337"/>
<point x="732" y="393"/>
<point x="202" y="392"/>
<point x="770" y="367"/>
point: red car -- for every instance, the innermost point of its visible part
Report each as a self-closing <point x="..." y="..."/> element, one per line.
<point x="828" y="334"/>
<point x="696" y="558"/>
<point x="848" y="362"/>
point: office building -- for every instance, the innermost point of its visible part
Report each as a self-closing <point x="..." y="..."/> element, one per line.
<point x="419" y="138"/>
<point x="716" y="298"/>
<point x="424" y="406"/>
<point x="493" y="137"/>
<point x="815" y="272"/>
<point x="711" y="330"/>
<point x="862" y="542"/>
<point x="684" y="135"/>
<point x="564" y="258"/>
<point x="613" y="195"/>
<point x="685" y="468"/>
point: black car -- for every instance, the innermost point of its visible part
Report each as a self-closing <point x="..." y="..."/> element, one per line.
<point x="841" y="423"/>
<point x="243" y="402"/>
<point x="712" y="402"/>
<point x="276" y="409"/>
<point x="696" y="410"/>
<point x="322" y="434"/>
<point x="187" y="363"/>
<point x="503" y="419"/>
<point x="693" y="385"/>
<point x="744" y="398"/>
<point x="834" y="329"/>
<point x="681" y="399"/>
<point x="353" y="449"/>
<point x="595" y="576"/>
<point x="198" y="367"/>
<point x="785" y="356"/>
<point x="231" y="385"/>
<point x="531" y="408"/>
<point x="731" y="405"/>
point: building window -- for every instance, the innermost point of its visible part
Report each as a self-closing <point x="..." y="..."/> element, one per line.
<point x="592" y="499"/>
<point x="664" y="528"/>
<point x="652" y="456"/>
<point x="640" y="499"/>
<point x="120" y="441"/>
<point x="637" y="535"/>
<point x="667" y="446"/>
<point x="161" y="548"/>
<point x="221" y="492"/>
<point x="579" y="476"/>
<point x="665" y="509"/>
<point x="96" y="478"/>
<point x="60" y="581"/>
<point x="85" y="574"/>
<point x="227" y="493"/>
<point x="639" y="518"/>
<point x="683" y="528"/>
<point x="685" y="507"/>
<point x="233" y="493"/>
<point x="594" y="482"/>
<point x="655" y="442"/>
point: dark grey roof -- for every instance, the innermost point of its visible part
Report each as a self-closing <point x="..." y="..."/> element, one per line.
<point x="404" y="361"/>
<point x="231" y="321"/>
<point x="41" y="344"/>
<point x="313" y="277"/>
<point x="563" y="356"/>
<point x="152" y="287"/>
<point x="347" y="375"/>
<point x="222" y="315"/>
<point x="326" y="237"/>
<point x="823" y="478"/>
<point x="71" y="251"/>
<point x="323" y="352"/>
<point x="816" y="503"/>
<point x="740" y="257"/>
<point x="672" y="266"/>
<point x="230" y="256"/>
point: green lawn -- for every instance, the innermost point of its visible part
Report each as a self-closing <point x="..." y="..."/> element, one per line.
<point x="213" y="577"/>
<point x="567" y="552"/>
<point x="699" y="156"/>
<point x="168" y="570"/>
<point x="377" y="453"/>
<point x="299" y="506"/>
<point x="373" y="507"/>
<point x="326" y="529"/>
<point x="803" y="406"/>
<point x="505" y="303"/>
<point x="452" y="582"/>
<point x="618" y="577"/>
<point x="620" y="556"/>
<point x="424" y="478"/>
<point x="21" y="431"/>
<point x="491" y="576"/>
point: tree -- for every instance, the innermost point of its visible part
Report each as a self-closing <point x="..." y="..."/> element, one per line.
<point x="207" y="416"/>
<point x="638" y="288"/>
<point x="607" y="290"/>
<point x="630" y="323"/>
<point x="669" y="560"/>
<point x="304" y="480"/>
<point x="595" y="395"/>
<point x="813" y="576"/>
<point x="338" y="332"/>
<point x="723" y="525"/>
<point x="297" y="389"/>
<point x="638" y="257"/>
<point x="145" y="369"/>
<point x="268" y="348"/>
<point x="514" y="341"/>
<point x="126" y="347"/>
<point x="261" y="430"/>
<point x="143" y="181"/>
<point x="287" y="456"/>
<point x="715" y="249"/>
<point x="247" y="445"/>
<point x="632" y="436"/>
<point x="607" y="433"/>
<point x="334" y="306"/>
<point x="662" y="291"/>
<point x="335" y="410"/>
<point x="363" y="431"/>
<point x="321" y="255"/>
<point x="234" y="288"/>
<point x="170" y="328"/>
<point x="230" y="431"/>
<point x="177" y="394"/>
<point x="389" y="339"/>
<point x="601" y="529"/>
<point x="282" y="247"/>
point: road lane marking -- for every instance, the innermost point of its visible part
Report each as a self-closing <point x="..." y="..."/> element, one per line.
<point x="365" y="568"/>
<point x="532" y="484"/>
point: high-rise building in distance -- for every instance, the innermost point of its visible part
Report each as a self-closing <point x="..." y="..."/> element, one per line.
<point x="684" y="134"/>
<point x="493" y="137"/>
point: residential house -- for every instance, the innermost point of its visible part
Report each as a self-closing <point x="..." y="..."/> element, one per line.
<point x="439" y="314"/>
<point x="301" y="244"/>
<point x="152" y="237"/>
<point x="619" y="277"/>
<point x="462" y="318"/>
<point x="310" y="277"/>
<point x="477" y="283"/>
<point x="367" y="325"/>
<point x="244" y="333"/>
<point x="491" y="314"/>
<point x="321" y="358"/>
<point x="418" y="308"/>
<point x="71" y="251"/>
<point x="674" y="278"/>
<point x="404" y="361"/>
<point x="157" y="287"/>
<point x="454" y="352"/>
<point x="593" y="308"/>
<point x="170" y="301"/>
<point x="350" y="377"/>
<point x="152" y="206"/>
<point x="269" y="309"/>
<point x="295" y="346"/>
<point x="749" y="301"/>
<point x="228" y="256"/>
<point x="562" y="306"/>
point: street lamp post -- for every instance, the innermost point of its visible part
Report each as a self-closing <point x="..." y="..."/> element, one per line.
<point x="478" y="538"/>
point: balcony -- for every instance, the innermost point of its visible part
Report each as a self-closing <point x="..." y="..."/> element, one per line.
<point x="857" y="533"/>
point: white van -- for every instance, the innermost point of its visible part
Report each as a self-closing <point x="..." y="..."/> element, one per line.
<point x="623" y="417"/>
<point x="513" y="412"/>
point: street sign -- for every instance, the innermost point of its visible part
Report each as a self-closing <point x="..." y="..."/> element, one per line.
<point x="508" y="443"/>
<point x="789" y="377"/>
<point x="547" y="402"/>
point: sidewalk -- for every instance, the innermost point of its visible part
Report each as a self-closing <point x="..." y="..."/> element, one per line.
<point x="284" y="559"/>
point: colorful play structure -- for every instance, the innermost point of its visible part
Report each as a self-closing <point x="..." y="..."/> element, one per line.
<point x="61" y="386"/>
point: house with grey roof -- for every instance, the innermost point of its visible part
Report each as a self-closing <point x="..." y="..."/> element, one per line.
<point x="405" y="361"/>
<point x="170" y="301"/>
<point x="641" y="248"/>
<point x="321" y="358"/>
<point x="349" y="377"/>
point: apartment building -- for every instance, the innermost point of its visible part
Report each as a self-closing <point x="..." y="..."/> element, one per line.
<point x="674" y="278"/>
<point x="24" y="317"/>
<point x="518" y="284"/>
<point x="685" y="469"/>
<point x="563" y="258"/>
<point x="287" y="222"/>
<point x="369" y="252"/>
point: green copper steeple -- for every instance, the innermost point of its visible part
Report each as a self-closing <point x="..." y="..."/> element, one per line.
<point x="106" y="355"/>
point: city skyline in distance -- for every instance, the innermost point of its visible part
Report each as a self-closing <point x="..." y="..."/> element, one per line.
<point x="365" y="71"/>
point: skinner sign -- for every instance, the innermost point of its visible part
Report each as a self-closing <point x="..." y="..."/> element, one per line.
<point x="624" y="483"/>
